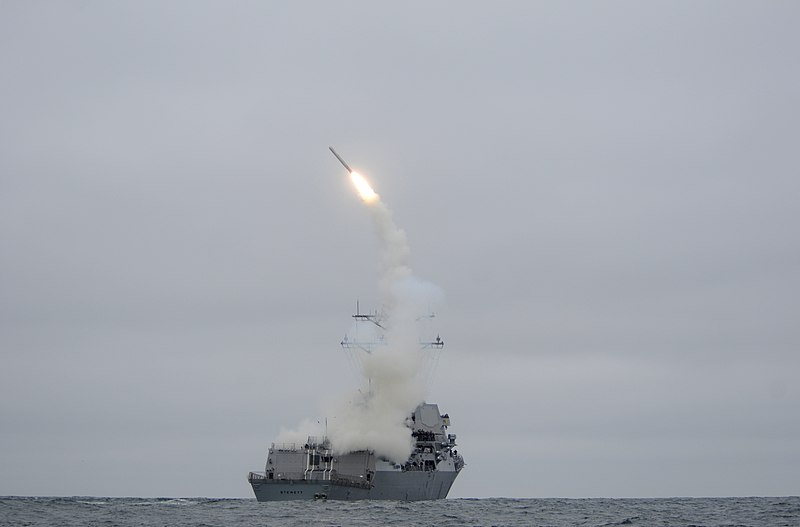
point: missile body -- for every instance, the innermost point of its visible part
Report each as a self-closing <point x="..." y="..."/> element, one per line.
<point x="340" y="159"/>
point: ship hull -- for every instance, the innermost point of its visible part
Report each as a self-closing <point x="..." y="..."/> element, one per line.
<point x="399" y="486"/>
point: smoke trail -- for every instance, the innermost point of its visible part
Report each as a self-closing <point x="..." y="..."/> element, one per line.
<point x="375" y="417"/>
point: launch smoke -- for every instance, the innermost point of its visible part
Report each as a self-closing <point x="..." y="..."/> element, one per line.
<point x="375" y="417"/>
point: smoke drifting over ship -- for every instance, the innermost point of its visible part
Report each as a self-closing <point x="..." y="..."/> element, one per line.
<point x="374" y="417"/>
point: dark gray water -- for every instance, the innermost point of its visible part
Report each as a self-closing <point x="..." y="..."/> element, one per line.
<point x="201" y="512"/>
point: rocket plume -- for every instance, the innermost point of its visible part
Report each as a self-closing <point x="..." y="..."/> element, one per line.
<point x="363" y="188"/>
<point x="375" y="417"/>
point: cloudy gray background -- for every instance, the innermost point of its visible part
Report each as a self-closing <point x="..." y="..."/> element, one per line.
<point x="606" y="192"/>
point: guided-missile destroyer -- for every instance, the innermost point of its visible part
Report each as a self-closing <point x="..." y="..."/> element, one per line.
<point x="314" y="469"/>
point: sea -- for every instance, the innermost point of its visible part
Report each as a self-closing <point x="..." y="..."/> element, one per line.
<point x="207" y="512"/>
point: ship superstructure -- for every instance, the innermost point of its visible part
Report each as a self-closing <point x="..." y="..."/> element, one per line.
<point x="313" y="470"/>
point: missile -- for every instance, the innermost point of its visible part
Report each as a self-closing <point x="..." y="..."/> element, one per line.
<point x="350" y="170"/>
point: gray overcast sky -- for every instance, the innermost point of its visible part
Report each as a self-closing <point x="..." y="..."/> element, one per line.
<point x="606" y="192"/>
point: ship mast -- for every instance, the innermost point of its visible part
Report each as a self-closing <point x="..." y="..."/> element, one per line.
<point x="368" y="333"/>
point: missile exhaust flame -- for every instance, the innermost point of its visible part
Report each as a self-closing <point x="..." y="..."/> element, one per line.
<point x="363" y="188"/>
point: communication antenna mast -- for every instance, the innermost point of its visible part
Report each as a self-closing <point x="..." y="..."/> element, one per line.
<point x="368" y="333"/>
<point x="366" y="338"/>
<point x="430" y="359"/>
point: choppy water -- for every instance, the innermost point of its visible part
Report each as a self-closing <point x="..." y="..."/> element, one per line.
<point x="683" y="512"/>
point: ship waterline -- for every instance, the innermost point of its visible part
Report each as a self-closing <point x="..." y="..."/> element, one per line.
<point x="386" y="486"/>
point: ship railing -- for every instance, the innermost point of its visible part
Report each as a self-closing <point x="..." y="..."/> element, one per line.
<point x="318" y="442"/>
<point x="289" y="475"/>
<point x="313" y="442"/>
<point x="287" y="447"/>
<point x="257" y="476"/>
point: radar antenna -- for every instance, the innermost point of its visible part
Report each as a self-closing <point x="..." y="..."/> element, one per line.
<point x="375" y="318"/>
<point x="366" y="339"/>
<point x="368" y="333"/>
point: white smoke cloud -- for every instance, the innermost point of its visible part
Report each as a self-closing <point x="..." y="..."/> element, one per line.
<point x="300" y="434"/>
<point x="375" y="417"/>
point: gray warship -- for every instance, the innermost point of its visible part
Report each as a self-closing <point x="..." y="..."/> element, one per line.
<point x="313" y="470"/>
